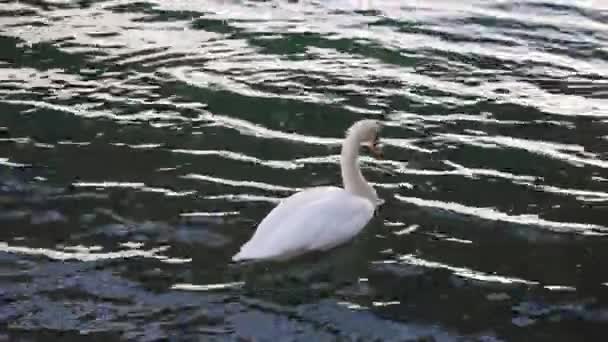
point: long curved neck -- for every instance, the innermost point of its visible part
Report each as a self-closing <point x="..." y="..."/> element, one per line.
<point x="351" y="173"/>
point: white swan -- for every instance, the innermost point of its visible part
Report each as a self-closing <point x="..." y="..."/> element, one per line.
<point x="320" y="218"/>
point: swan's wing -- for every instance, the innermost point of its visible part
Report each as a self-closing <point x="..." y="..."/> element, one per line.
<point x="319" y="220"/>
<point x="341" y="217"/>
<point x="287" y="205"/>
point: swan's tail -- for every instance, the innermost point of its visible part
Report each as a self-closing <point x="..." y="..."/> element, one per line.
<point x="238" y="257"/>
<point x="249" y="254"/>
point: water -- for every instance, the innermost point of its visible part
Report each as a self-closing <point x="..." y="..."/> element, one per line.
<point x="141" y="142"/>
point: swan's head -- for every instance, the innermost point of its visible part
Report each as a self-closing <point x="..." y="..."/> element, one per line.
<point x="367" y="132"/>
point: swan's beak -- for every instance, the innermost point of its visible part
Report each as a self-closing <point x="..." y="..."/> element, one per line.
<point x="376" y="149"/>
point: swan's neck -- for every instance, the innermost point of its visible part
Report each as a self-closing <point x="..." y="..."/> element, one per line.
<point x="351" y="173"/>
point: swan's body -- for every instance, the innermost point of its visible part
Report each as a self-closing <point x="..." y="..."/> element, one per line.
<point x="320" y="218"/>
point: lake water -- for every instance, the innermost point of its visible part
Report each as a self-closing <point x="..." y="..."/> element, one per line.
<point x="142" y="141"/>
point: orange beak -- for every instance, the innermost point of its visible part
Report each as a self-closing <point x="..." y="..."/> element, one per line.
<point x="376" y="150"/>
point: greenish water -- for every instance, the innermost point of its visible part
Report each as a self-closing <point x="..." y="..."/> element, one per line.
<point x="141" y="143"/>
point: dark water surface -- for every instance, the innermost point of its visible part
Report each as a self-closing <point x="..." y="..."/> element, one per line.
<point x="141" y="142"/>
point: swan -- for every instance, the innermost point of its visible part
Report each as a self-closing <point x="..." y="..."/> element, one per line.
<point x="320" y="218"/>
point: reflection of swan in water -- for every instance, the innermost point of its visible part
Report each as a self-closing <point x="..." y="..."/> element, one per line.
<point x="320" y="218"/>
<point x="310" y="277"/>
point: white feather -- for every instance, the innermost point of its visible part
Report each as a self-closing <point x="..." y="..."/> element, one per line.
<point x="316" y="219"/>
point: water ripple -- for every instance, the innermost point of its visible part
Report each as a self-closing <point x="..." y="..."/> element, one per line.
<point x="85" y="255"/>
<point x="494" y="215"/>
<point x="464" y="272"/>
<point x="181" y="123"/>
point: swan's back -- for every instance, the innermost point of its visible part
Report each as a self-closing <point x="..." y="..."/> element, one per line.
<point x="315" y="219"/>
